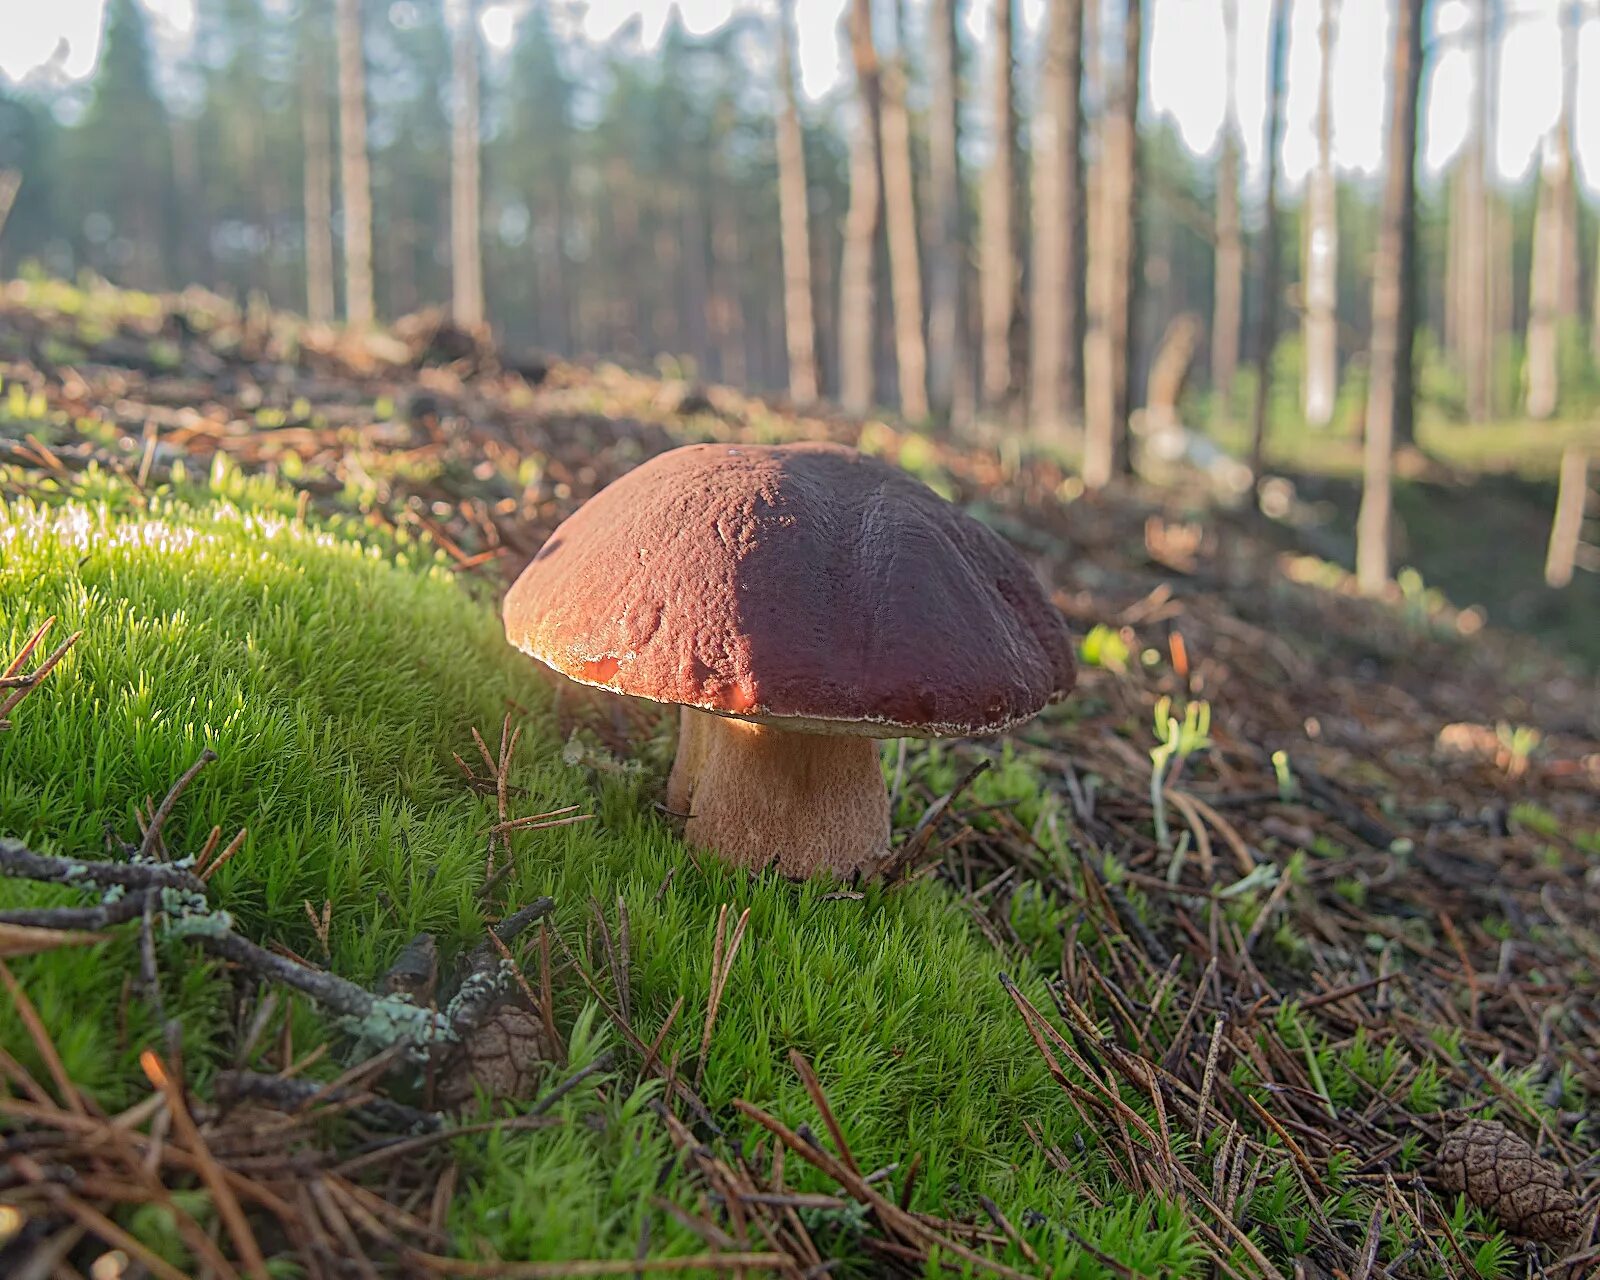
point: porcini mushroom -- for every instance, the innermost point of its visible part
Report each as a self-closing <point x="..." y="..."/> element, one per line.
<point x="798" y="602"/>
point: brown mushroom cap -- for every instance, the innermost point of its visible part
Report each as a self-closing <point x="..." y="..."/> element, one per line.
<point x="804" y="585"/>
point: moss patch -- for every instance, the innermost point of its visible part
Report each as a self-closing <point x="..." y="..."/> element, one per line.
<point x="334" y="678"/>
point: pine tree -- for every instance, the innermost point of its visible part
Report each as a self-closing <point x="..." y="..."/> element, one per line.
<point x="1389" y="392"/>
<point x="123" y="156"/>
<point x="858" y="294"/>
<point x="1321" y="328"/>
<point x="466" y="218"/>
<point x="946" y="251"/>
<point x="800" y="328"/>
<point x="900" y="212"/>
<point x="1113" y="267"/>
<point x="317" y="181"/>
<point x="1228" y="307"/>
<point x="354" y="167"/>
<point x="1001" y="264"/>
<point x="1056" y="360"/>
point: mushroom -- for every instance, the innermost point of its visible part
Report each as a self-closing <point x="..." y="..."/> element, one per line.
<point x="798" y="602"/>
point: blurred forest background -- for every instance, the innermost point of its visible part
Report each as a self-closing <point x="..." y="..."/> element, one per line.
<point x="1077" y="279"/>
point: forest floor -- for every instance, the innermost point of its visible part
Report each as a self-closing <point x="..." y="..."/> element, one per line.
<point x="1473" y="505"/>
<point x="1271" y="952"/>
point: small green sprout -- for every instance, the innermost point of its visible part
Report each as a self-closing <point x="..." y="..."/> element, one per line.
<point x="1104" y="647"/>
<point x="1517" y="743"/>
<point x="1177" y="742"/>
<point x="1287" y="786"/>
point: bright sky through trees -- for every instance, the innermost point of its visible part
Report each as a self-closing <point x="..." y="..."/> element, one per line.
<point x="1185" y="53"/>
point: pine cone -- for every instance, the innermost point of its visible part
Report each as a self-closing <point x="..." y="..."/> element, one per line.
<point x="505" y="1054"/>
<point x="1501" y="1173"/>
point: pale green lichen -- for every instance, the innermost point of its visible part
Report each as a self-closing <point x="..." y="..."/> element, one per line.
<point x="199" y="924"/>
<point x="179" y="903"/>
<point x="393" y="1020"/>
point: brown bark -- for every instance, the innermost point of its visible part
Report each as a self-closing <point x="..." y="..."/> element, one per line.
<point x="1228" y="295"/>
<point x="728" y="331"/>
<point x="354" y="174"/>
<point x="1169" y="371"/>
<point x="799" y="322"/>
<point x="946" y="350"/>
<point x="466" y="218"/>
<point x="900" y="211"/>
<point x="1553" y="276"/>
<point x="1056" y="363"/>
<point x="1390" y="384"/>
<point x="1267" y="308"/>
<point x="858" y="286"/>
<point x="318" y="185"/>
<point x="1473" y="330"/>
<point x="1113" y="262"/>
<point x="1321" y="330"/>
<point x="1566" y="529"/>
<point x="1001" y="272"/>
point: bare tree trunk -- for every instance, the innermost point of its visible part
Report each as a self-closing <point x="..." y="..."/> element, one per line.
<point x="825" y="264"/>
<point x="728" y="328"/>
<point x="1113" y="264"/>
<point x="318" y="180"/>
<point x="1321" y="332"/>
<point x="1058" y="245"/>
<point x="1228" y="296"/>
<point x="1569" y="304"/>
<point x="466" y="218"/>
<point x="858" y="285"/>
<point x="1389" y="386"/>
<point x="1169" y="371"/>
<point x="1566" y="530"/>
<point x="1502" y="302"/>
<point x="1473" y="325"/>
<point x="799" y="323"/>
<point x="1552" y="284"/>
<point x="1001" y="270"/>
<point x="900" y="212"/>
<point x="355" y="178"/>
<point x="945" y="250"/>
<point x="10" y="184"/>
<point x="1267" y="310"/>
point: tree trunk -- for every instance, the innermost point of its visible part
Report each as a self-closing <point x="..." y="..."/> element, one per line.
<point x="318" y="182"/>
<point x="1321" y="332"/>
<point x="1267" y="310"/>
<point x="1228" y="296"/>
<point x="1058" y="244"/>
<point x="1566" y="530"/>
<point x="1569" y="304"/>
<point x="466" y="219"/>
<point x="945" y="250"/>
<point x="1389" y="387"/>
<point x="728" y="328"/>
<point x="800" y="327"/>
<point x="1001" y="270"/>
<point x="1473" y="325"/>
<point x="858" y="285"/>
<point x="1113" y="264"/>
<point x="354" y="176"/>
<point x="900" y="212"/>
<point x="1552" y="283"/>
<point x="1169" y="371"/>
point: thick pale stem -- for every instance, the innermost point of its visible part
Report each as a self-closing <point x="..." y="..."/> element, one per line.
<point x="757" y="795"/>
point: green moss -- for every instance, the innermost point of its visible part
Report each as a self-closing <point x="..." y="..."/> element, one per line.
<point x="334" y="678"/>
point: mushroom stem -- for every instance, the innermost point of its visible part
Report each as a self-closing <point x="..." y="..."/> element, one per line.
<point x="757" y="795"/>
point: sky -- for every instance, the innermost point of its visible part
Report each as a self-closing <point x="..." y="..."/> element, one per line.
<point x="1185" y="66"/>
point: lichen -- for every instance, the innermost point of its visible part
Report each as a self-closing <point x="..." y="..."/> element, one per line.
<point x="394" y="1020"/>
